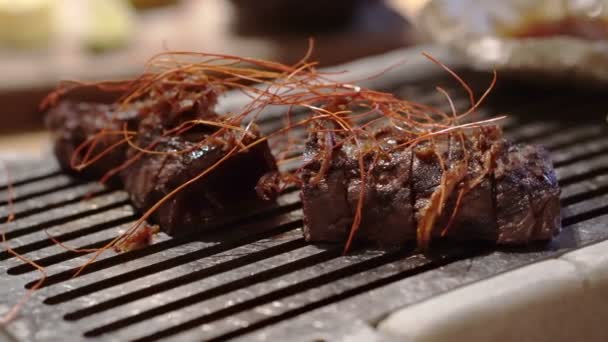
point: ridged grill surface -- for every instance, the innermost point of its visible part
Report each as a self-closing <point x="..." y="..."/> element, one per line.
<point x="254" y="277"/>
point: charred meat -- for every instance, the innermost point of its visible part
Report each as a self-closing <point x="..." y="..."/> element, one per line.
<point x="156" y="163"/>
<point x="228" y="188"/>
<point x="76" y="123"/>
<point x="473" y="186"/>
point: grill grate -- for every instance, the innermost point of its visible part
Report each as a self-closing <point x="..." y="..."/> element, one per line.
<point x="254" y="277"/>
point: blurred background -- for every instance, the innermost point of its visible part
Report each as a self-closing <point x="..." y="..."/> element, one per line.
<point x="45" y="41"/>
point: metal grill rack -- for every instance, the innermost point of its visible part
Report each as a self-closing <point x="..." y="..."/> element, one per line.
<point x="255" y="278"/>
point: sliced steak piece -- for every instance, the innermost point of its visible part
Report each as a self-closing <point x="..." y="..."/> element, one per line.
<point x="473" y="217"/>
<point x="224" y="191"/>
<point x="514" y="213"/>
<point x="327" y="216"/>
<point x="544" y="192"/>
<point x="72" y="123"/>
<point x="329" y="210"/>
<point x="149" y="177"/>
<point x="388" y="214"/>
<point x="330" y="196"/>
<point x="445" y="169"/>
<point x="427" y="173"/>
<point x="509" y="193"/>
<point x="328" y="213"/>
<point x="527" y="195"/>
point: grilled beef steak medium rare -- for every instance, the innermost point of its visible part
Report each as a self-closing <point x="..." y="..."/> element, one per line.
<point x="227" y="189"/>
<point x="72" y="123"/>
<point x="150" y="177"/>
<point x="527" y="195"/>
<point x="509" y="192"/>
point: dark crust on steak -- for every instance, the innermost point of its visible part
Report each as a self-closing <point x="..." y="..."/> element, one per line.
<point x="544" y="193"/>
<point x="527" y="195"/>
<point x="149" y="177"/>
<point x="227" y="189"/>
<point x="426" y="174"/>
<point x="387" y="205"/>
<point x="72" y="123"/>
<point x="513" y="199"/>
<point x="475" y="218"/>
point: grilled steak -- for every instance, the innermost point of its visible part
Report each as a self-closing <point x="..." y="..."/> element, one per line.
<point x="329" y="202"/>
<point x="473" y="187"/>
<point x="527" y="196"/>
<point x="72" y="123"/>
<point x="148" y="177"/>
<point x="224" y="191"/>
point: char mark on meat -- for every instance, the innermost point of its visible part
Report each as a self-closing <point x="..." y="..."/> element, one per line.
<point x="176" y="158"/>
<point x="527" y="195"/>
<point x="226" y="190"/>
<point x="330" y="202"/>
<point x="72" y="124"/>
<point x="473" y="186"/>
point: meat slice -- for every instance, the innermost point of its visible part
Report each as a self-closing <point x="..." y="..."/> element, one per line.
<point x="178" y="159"/>
<point x="468" y="209"/>
<point x="72" y="123"/>
<point x="329" y="209"/>
<point x="330" y="198"/>
<point x="427" y="173"/>
<point x="544" y="192"/>
<point x="174" y="158"/>
<point x="473" y="186"/>
<point x="387" y="208"/>
<point x="474" y="218"/>
<point x="527" y="195"/>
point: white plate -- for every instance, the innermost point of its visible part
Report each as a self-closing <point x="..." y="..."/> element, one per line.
<point x="477" y="29"/>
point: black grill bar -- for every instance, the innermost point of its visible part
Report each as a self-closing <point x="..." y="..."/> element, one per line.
<point x="234" y="260"/>
<point x="260" y="298"/>
<point x="37" y="188"/>
<point x="286" y="204"/>
<point x="53" y="200"/>
<point x="583" y="196"/>
<point x="59" y="214"/>
<point x="21" y="173"/>
<point x="576" y="173"/>
<point x="63" y="235"/>
<point x="216" y="292"/>
<point x="212" y="250"/>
